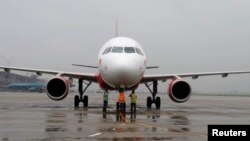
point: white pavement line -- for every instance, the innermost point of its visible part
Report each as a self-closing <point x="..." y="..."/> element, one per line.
<point x="96" y="134"/>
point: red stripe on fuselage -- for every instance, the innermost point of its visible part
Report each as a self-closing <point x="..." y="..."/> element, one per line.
<point x="134" y="87"/>
<point x="103" y="85"/>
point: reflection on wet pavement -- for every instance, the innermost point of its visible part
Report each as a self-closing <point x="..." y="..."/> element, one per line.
<point x="39" y="119"/>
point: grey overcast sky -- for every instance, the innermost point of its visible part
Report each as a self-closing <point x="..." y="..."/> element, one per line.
<point x="180" y="36"/>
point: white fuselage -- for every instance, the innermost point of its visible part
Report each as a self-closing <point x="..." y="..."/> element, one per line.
<point x="122" y="62"/>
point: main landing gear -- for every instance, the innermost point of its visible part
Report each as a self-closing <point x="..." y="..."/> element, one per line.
<point x="153" y="99"/>
<point x="79" y="98"/>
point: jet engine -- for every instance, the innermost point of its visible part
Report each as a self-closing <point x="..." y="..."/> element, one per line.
<point x="57" y="88"/>
<point x="179" y="90"/>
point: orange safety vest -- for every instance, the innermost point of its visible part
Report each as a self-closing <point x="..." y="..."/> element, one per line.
<point x="122" y="97"/>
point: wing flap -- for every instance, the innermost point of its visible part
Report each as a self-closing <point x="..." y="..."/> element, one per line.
<point x="164" y="77"/>
<point x="86" y="66"/>
<point x="152" y="67"/>
<point x="84" y="76"/>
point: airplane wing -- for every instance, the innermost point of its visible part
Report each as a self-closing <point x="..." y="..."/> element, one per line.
<point x="86" y="66"/>
<point x="164" y="77"/>
<point x="84" y="76"/>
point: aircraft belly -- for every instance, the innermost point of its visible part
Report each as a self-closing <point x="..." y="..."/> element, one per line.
<point x="117" y="82"/>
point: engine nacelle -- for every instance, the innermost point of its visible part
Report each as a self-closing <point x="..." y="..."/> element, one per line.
<point x="57" y="88"/>
<point x="179" y="90"/>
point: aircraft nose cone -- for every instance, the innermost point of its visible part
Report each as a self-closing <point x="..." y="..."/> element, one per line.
<point x="124" y="71"/>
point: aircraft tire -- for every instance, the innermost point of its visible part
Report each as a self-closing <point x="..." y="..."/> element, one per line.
<point x="77" y="101"/>
<point x="158" y="102"/>
<point x="85" y="101"/>
<point x="149" y="102"/>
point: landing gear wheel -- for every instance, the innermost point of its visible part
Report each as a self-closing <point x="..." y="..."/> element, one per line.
<point x="85" y="101"/>
<point x="77" y="101"/>
<point x="153" y="90"/>
<point x="81" y="93"/>
<point x="149" y="102"/>
<point x="158" y="102"/>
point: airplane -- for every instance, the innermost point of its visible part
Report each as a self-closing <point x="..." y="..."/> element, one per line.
<point x="122" y="64"/>
<point x="39" y="87"/>
<point x="33" y="86"/>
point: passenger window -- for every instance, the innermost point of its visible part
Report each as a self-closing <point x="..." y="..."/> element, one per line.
<point x="129" y="49"/>
<point x="117" y="49"/>
<point x="139" y="51"/>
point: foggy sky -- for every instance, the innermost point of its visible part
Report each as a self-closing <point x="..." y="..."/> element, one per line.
<point x="180" y="36"/>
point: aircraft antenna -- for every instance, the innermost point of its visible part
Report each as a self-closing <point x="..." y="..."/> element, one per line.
<point x="116" y="28"/>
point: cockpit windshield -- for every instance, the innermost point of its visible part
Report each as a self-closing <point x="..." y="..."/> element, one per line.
<point x="139" y="51"/>
<point x="129" y="49"/>
<point x="117" y="49"/>
<point x="107" y="50"/>
<point x="126" y="50"/>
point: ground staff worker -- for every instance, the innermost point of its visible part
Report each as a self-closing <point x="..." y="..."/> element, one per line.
<point x="133" y="97"/>
<point x="122" y="104"/>
<point x="105" y="99"/>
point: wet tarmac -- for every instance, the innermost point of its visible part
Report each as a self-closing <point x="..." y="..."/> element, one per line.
<point x="34" y="117"/>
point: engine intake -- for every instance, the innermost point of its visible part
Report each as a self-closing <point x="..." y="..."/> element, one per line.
<point x="57" y="88"/>
<point x="179" y="91"/>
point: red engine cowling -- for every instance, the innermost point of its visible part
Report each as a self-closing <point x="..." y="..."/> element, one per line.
<point x="57" y="88"/>
<point x="179" y="90"/>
